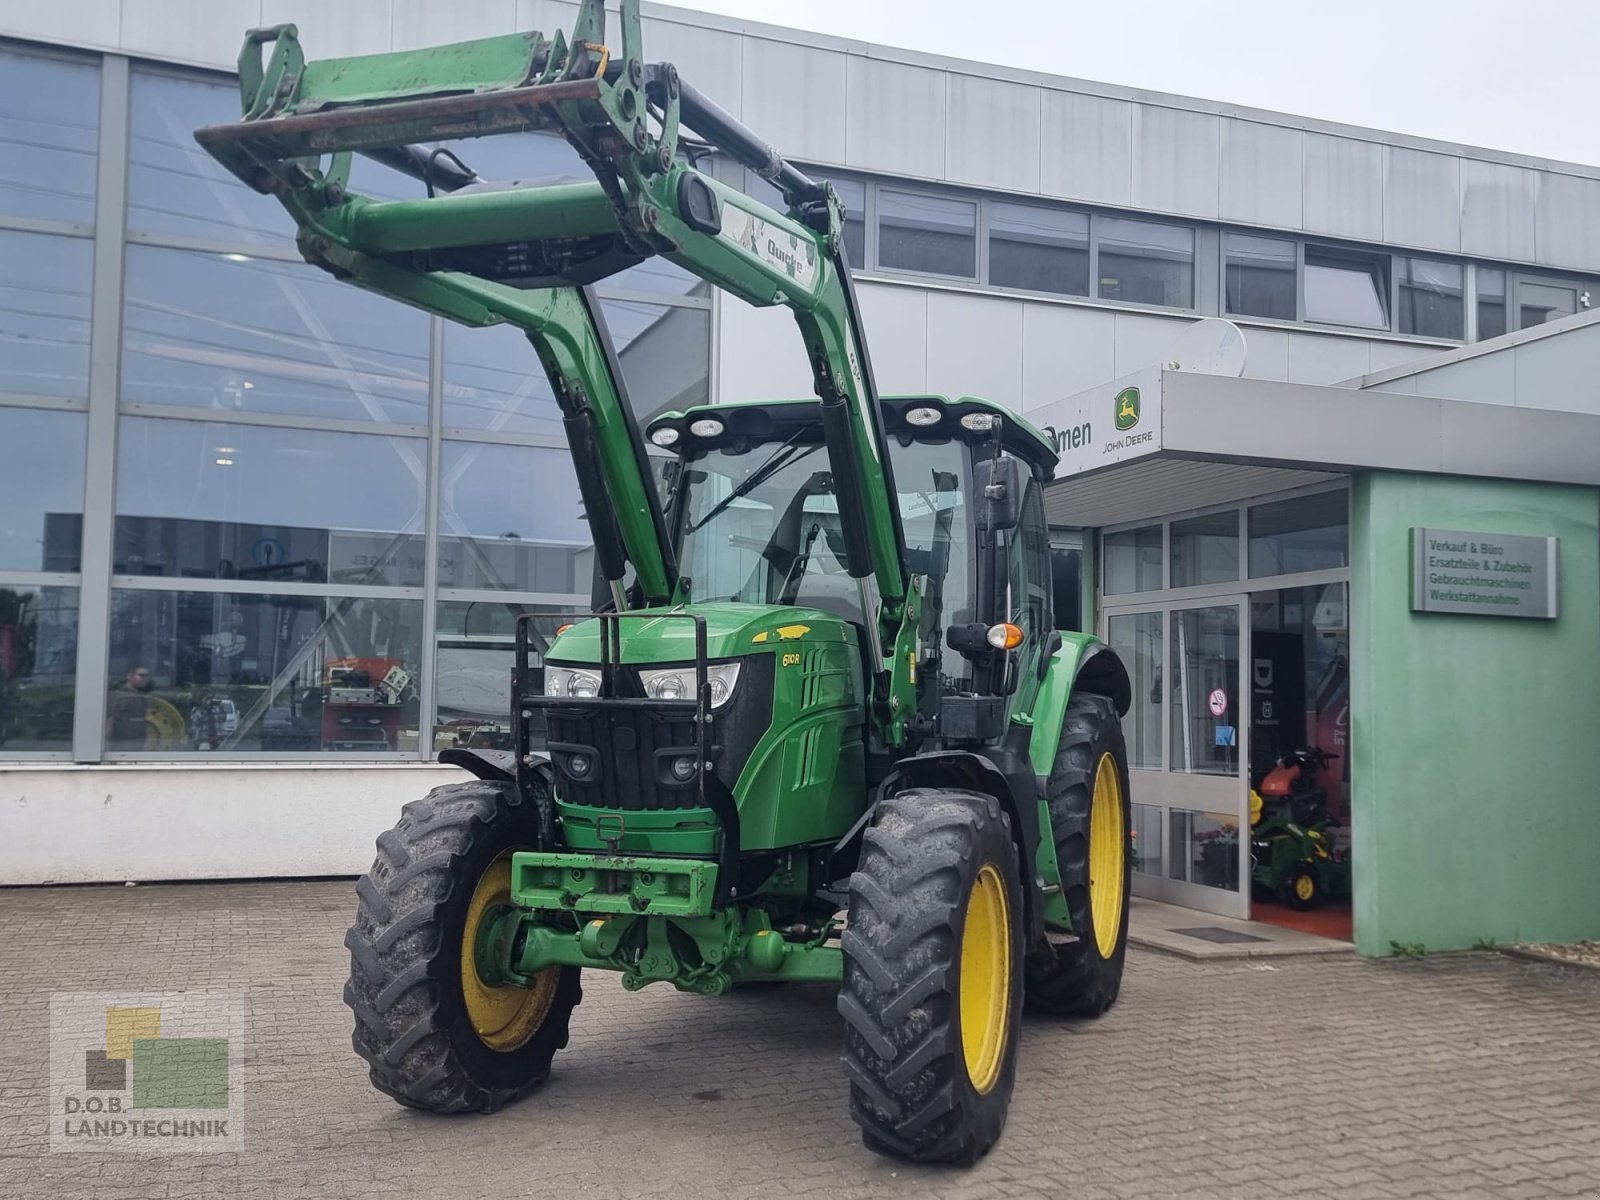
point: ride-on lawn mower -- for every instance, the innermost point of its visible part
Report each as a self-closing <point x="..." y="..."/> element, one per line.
<point x="827" y="680"/>
<point x="1292" y="836"/>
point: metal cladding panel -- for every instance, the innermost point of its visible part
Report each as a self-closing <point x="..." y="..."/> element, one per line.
<point x="760" y="354"/>
<point x="708" y="58"/>
<point x="1086" y="148"/>
<point x="992" y="133"/>
<point x="794" y="98"/>
<point x="1489" y="379"/>
<point x="1343" y="187"/>
<point x="1545" y="372"/>
<point x="1474" y="439"/>
<point x="422" y="23"/>
<point x="975" y="347"/>
<point x="1266" y="354"/>
<point x="1064" y="351"/>
<point x="1497" y="210"/>
<point x="1567" y="222"/>
<point x="64" y="22"/>
<point x="896" y="322"/>
<point x="1158" y="487"/>
<point x="1175" y="164"/>
<point x="1385" y="355"/>
<point x="1422" y="199"/>
<point x="336" y="30"/>
<point x="1262" y="174"/>
<point x="895" y="118"/>
<point x="1142" y="341"/>
<point x="1314" y="359"/>
<point x="197" y="33"/>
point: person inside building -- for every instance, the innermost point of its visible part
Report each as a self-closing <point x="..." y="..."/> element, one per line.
<point x="128" y="712"/>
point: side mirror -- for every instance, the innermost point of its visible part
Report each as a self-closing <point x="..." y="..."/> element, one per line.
<point x="999" y="485"/>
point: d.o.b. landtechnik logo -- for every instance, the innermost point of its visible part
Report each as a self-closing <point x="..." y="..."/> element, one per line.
<point x="145" y="1073"/>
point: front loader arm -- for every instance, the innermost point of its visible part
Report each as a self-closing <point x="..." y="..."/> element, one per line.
<point x="520" y="255"/>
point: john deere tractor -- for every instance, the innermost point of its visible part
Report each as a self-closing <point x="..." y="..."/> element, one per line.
<point x="823" y="728"/>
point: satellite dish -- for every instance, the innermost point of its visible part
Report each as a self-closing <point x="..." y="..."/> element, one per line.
<point x="1209" y="347"/>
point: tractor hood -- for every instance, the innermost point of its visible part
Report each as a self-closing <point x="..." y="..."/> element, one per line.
<point x="662" y="635"/>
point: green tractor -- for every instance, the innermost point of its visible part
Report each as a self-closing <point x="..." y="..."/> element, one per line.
<point x="822" y="729"/>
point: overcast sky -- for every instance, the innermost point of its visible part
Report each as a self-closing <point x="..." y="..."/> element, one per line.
<point x="1507" y="75"/>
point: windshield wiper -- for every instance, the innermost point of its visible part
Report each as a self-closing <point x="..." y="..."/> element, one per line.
<point x="779" y="459"/>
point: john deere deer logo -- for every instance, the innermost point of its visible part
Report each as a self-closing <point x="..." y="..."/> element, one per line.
<point x="1127" y="408"/>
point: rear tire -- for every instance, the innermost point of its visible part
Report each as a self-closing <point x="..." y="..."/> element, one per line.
<point x="416" y="1027"/>
<point x="1082" y="978"/>
<point x="932" y="990"/>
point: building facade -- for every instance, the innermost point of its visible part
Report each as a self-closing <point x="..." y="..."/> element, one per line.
<point x="263" y="537"/>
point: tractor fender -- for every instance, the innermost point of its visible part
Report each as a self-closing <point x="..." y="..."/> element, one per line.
<point x="500" y="766"/>
<point x="1081" y="664"/>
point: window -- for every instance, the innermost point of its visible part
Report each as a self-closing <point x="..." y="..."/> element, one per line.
<point x="49" y="128"/>
<point x="1205" y="549"/>
<point x="1132" y="560"/>
<point x="1136" y="638"/>
<point x="244" y="672"/>
<point x="927" y="233"/>
<point x="41" y="490"/>
<point x="1028" y="582"/>
<point x="1259" y="276"/>
<point x="38" y="665"/>
<point x="1146" y="263"/>
<point x="1205" y="848"/>
<point x="1305" y="533"/>
<point x="44" y="314"/>
<point x="1204" y="660"/>
<point x="1491" y="303"/>
<point x="216" y="500"/>
<point x="1432" y="298"/>
<point x="853" y="195"/>
<point x="510" y="517"/>
<point x="1039" y="249"/>
<point x="287" y="338"/>
<point x="1347" y="287"/>
<point x="474" y="654"/>
<point x="1066" y="576"/>
<point x="1540" y="301"/>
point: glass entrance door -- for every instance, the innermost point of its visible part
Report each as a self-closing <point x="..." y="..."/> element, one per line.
<point x="1187" y="732"/>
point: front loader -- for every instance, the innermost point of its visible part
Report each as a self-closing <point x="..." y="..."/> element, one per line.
<point x="822" y="729"/>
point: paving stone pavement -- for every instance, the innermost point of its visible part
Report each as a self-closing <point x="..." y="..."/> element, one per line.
<point x="1455" y="1076"/>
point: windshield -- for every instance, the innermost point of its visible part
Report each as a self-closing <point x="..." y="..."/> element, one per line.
<point x="761" y="525"/>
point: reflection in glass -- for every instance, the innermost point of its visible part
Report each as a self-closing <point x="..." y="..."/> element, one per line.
<point x="493" y="380"/>
<point x="1143" y="262"/>
<point x="1491" y="303"/>
<point x="1147" y="839"/>
<point x="176" y="187"/>
<point x="1540" y="303"/>
<point x="1205" y="549"/>
<point x="49" y="127"/>
<point x="510" y="517"/>
<point x="1347" y="288"/>
<point x="41" y="489"/>
<point x="927" y="233"/>
<point x="474" y="657"/>
<point x="1132" y="560"/>
<point x="1066" y="581"/>
<point x="1303" y="533"/>
<point x="853" y="195"/>
<point x="1136" y="638"/>
<point x="1432" y="298"/>
<point x="38" y="661"/>
<point x="289" y="339"/>
<point x="1205" y="848"/>
<point x="1204" y="691"/>
<point x="246" y="673"/>
<point x="1259" y="276"/>
<point x="1040" y="249"/>
<point x="217" y="500"/>
<point x="44" y="314"/>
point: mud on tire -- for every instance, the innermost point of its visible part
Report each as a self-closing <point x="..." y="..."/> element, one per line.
<point x="405" y="987"/>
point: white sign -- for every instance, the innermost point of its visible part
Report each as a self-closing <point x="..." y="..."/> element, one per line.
<point x="1109" y="424"/>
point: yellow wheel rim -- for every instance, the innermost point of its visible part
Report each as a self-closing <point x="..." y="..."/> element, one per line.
<point x="505" y="1018"/>
<point x="985" y="978"/>
<point x="1305" y="887"/>
<point x="1107" y="856"/>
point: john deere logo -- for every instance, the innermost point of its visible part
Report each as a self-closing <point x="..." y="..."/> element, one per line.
<point x="1127" y="403"/>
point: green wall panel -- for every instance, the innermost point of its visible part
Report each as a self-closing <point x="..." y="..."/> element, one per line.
<point x="1476" y="740"/>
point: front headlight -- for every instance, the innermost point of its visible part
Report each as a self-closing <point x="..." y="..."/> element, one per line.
<point x="677" y="683"/>
<point x="570" y="681"/>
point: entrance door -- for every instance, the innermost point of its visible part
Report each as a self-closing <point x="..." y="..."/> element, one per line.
<point x="1187" y="732"/>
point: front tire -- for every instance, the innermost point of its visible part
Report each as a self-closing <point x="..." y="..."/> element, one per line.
<point x="434" y="1036"/>
<point x="1302" y="887"/>
<point x="1092" y="822"/>
<point x="932" y="990"/>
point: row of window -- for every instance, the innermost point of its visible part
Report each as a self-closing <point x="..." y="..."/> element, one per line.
<point x="1067" y="252"/>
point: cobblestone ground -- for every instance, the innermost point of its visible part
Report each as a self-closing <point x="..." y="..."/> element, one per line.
<point x="1453" y="1076"/>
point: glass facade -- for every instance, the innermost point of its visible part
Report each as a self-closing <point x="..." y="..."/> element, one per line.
<point x="320" y="510"/>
